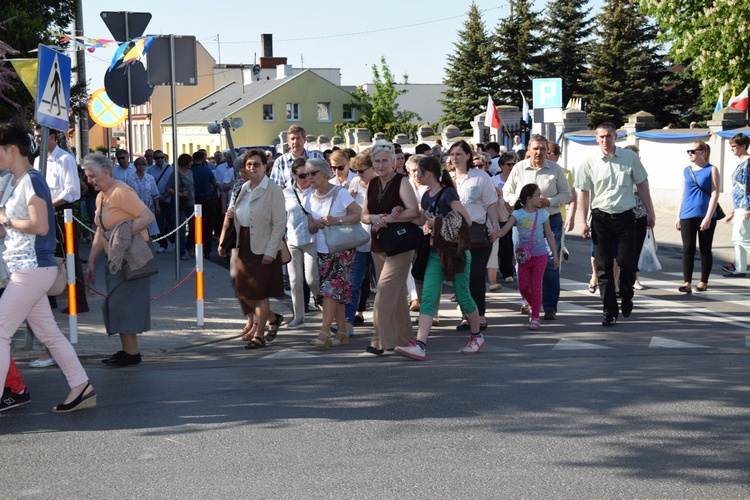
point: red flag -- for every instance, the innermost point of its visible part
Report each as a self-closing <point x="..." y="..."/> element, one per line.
<point x="492" y="117"/>
<point x="739" y="102"/>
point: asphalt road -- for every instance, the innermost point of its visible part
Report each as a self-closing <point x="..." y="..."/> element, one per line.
<point x="654" y="407"/>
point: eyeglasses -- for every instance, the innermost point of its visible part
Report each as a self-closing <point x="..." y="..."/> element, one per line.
<point x="302" y="176"/>
<point x="693" y="151"/>
<point x="359" y="172"/>
<point x="338" y="167"/>
<point x="251" y="164"/>
<point x="508" y="164"/>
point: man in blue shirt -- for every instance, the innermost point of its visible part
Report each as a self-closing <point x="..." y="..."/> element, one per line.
<point x="161" y="171"/>
<point x="204" y="180"/>
<point x="281" y="174"/>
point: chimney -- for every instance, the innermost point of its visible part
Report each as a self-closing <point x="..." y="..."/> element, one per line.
<point x="266" y="43"/>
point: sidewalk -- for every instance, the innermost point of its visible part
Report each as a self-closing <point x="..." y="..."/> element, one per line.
<point x="173" y="316"/>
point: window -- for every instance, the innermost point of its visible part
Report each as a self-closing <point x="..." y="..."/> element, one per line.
<point x="268" y="112"/>
<point x="292" y="111"/>
<point x="348" y="113"/>
<point x="324" y="111"/>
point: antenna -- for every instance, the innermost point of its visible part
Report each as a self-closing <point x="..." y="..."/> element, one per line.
<point x="302" y="61"/>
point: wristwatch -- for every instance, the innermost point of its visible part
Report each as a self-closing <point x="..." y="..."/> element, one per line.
<point x="8" y="222"/>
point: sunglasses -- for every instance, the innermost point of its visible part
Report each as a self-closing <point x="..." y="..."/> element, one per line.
<point x="302" y="176"/>
<point x="313" y="173"/>
<point x="508" y="164"/>
<point x="338" y="167"/>
<point x="158" y="157"/>
<point x="121" y="158"/>
<point x="358" y="172"/>
<point x="693" y="151"/>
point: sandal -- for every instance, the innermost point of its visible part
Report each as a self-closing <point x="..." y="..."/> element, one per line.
<point x="335" y="342"/>
<point x="592" y="287"/>
<point x="273" y="328"/>
<point x="247" y="333"/>
<point x="534" y="324"/>
<point x="256" y="343"/>
<point x="320" y="343"/>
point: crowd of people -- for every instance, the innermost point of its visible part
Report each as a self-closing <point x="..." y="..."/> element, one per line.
<point x="334" y="226"/>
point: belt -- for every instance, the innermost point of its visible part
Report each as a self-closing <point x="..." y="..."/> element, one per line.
<point x="622" y="215"/>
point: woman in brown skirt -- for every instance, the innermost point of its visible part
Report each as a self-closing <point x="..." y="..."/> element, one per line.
<point x="260" y="221"/>
<point x="390" y="199"/>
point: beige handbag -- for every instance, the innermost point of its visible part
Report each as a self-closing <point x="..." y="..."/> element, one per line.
<point x="61" y="281"/>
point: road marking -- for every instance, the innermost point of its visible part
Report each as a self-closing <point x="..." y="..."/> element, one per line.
<point x="289" y="354"/>
<point x="574" y="345"/>
<point x="661" y="342"/>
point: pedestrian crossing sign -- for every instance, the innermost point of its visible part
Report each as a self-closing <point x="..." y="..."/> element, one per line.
<point x="53" y="89"/>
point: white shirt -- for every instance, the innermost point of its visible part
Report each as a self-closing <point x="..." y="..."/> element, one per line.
<point x="477" y="192"/>
<point x="297" y="233"/>
<point x="62" y="175"/>
<point x="320" y="207"/>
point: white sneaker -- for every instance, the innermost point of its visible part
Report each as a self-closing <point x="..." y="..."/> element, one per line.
<point x="43" y="363"/>
<point x="296" y="322"/>
<point x="509" y="279"/>
<point x="637" y="285"/>
<point x="473" y="345"/>
<point x="495" y="287"/>
<point x="412" y="350"/>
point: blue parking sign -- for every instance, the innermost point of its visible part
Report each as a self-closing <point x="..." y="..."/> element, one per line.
<point x="52" y="89"/>
<point x="547" y="93"/>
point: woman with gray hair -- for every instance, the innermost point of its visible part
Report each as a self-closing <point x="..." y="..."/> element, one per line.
<point x="330" y="205"/>
<point x="127" y="306"/>
<point x="390" y="199"/>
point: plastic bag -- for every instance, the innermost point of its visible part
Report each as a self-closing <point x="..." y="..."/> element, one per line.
<point x="649" y="262"/>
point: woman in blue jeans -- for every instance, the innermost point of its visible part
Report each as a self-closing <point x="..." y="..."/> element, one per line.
<point x="440" y="200"/>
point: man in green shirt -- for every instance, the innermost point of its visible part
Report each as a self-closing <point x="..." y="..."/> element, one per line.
<point x="605" y="181"/>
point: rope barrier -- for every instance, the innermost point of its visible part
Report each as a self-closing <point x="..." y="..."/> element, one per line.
<point x="83" y="224"/>
<point x="153" y="299"/>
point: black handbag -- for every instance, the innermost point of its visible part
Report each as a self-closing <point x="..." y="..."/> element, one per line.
<point x="419" y="265"/>
<point x="480" y="237"/>
<point x="400" y="237"/>
<point x="148" y="269"/>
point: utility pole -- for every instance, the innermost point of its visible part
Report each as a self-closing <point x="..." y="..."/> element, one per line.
<point x="82" y="144"/>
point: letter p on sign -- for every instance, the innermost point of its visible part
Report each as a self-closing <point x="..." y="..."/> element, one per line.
<point x="547" y="93"/>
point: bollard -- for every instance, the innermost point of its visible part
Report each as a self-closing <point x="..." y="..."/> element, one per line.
<point x="199" y="263"/>
<point x="70" y="263"/>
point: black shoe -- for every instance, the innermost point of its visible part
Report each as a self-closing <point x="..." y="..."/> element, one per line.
<point x="114" y="357"/>
<point x="627" y="308"/>
<point x="124" y="359"/>
<point x="609" y="320"/>
<point x="81" y="309"/>
<point x="81" y="402"/>
<point x="482" y="327"/>
<point x="12" y="400"/>
<point x="359" y="320"/>
<point x="729" y="268"/>
<point x="687" y="289"/>
<point x="464" y="326"/>
<point x="550" y="315"/>
<point x="734" y="275"/>
<point x="378" y="352"/>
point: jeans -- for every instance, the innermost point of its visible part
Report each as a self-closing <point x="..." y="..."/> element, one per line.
<point x="551" y="280"/>
<point x="361" y="261"/>
<point x="164" y="220"/>
<point x="614" y="232"/>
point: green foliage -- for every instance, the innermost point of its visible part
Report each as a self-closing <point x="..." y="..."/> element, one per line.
<point x="680" y="101"/>
<point x="625" y="68"/>
<point x="519" y="48"/>
<point x="567" y="32"/>
<point x="469" y="74"/>
<point x="27" y="24"/>
<point x="379" y="112"/>
<point x="714" y="35"/>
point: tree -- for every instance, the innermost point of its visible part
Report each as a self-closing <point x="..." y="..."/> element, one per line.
<point x="713" y="35"/>
<point x="8" y="77"/>
<point x="518" y="52"/>
<point x="625" y="68"/>
<point x="567" y="31"/>
<point x="379" y="112"/>
<point x="27" y="24"/>
<point x="470" y="73"/>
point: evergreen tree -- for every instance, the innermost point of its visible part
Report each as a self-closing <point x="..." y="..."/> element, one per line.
<point x="625" y="68"/>
<point x="469" y="74"/>
<point x="567" y="32"/>
<point x="519" y="46"/>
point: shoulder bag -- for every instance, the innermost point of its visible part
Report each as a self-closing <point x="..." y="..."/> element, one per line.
<point x="400" y="237"/>
<point x="422" y="256"/>
<point x="719" y="211"/>
<point x="523" y="253"/>
<point x="480" y="237"/>
<point x="345" y="236"/>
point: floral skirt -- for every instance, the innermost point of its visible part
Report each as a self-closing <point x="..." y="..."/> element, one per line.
<point x="336" y="275"/>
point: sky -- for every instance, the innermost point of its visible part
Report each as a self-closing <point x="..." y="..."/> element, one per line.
<point x="414" y="35"/>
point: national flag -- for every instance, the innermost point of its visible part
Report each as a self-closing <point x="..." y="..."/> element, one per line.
<point x="525" y="113"/>
<point x="570" y="104"/>
<point x="720" y="102"/>
<point x="27" y="72"/>
<point x="739" y="102"/>
<point x="492" y="117"/>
